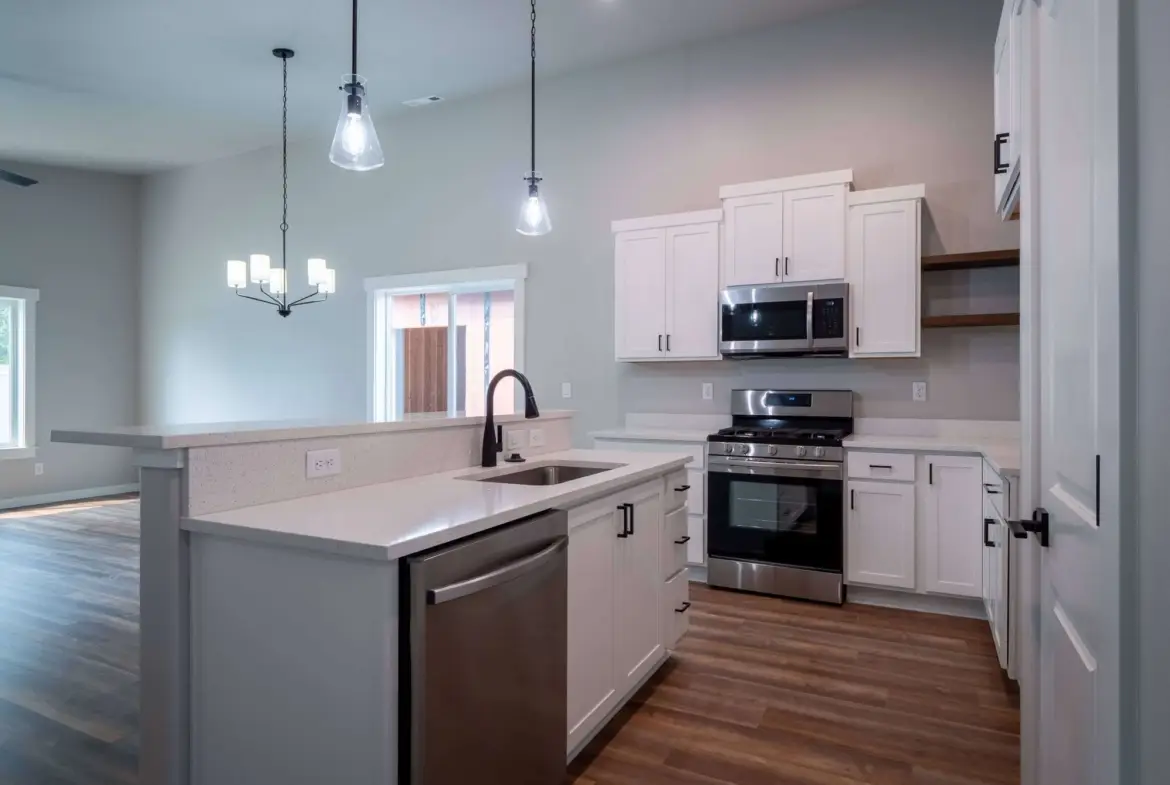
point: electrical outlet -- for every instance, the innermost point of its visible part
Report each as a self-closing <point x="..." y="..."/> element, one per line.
<point x="536" y="437"/>
<point x="514" y="440"/>
<point x="566" y="390"/>
<point x="322" y="463"/>
<point x="708" y="391"/>
<point x="920" y="391"/>
<point x="38" y="469"/>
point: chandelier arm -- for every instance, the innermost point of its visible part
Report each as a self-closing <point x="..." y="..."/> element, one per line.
<point x="271" y="298"/>
<point x="270" y="301"/>
<point x="308" y="299"/>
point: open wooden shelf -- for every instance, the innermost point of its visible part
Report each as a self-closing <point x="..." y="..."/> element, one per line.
<point x="1009" y="257"/>
<point x="973" y="320"/>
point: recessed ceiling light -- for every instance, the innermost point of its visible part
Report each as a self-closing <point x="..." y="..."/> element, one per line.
<point x="426" y="99"/>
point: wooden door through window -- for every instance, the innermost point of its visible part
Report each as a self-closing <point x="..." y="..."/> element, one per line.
<point x="425" y="369"/>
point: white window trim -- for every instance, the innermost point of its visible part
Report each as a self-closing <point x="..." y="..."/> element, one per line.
<point x="380" y="354"/>
<point x="26" y="351"/>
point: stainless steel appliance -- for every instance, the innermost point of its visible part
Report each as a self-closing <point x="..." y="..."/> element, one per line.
<point x="784" y="320"/>
<point x="775" y="494"/>
<point x="484" y="658"/>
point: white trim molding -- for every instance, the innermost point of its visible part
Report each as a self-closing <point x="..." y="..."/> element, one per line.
<point x="666" y="221"/>
<point x="477" y="279"/>
<point x="24" y="367"/>
<point x="840" y="177"/>
<point x="899" y="193"/>
<point x="67" y="496"/>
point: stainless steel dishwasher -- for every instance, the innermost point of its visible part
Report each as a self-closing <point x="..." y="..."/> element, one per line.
<point x="485" y="658"/>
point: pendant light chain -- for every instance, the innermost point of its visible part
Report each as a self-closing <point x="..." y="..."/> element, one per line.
<point x="284" y="183"/>
<point x="533" y="91"/>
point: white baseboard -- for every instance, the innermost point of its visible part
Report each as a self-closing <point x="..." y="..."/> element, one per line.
<point x="67" y="496"/>
<point x="697" y="573"/>
<point x="909" y="601"/>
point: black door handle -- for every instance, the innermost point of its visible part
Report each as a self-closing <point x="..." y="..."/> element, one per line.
<point x="686" y="606"/>
<point x="1038" y="526"/>
<point x="986" y="541"/>
<point x="1000" y="141"/>
<point x="992" y="489"/>
<point x="683" y="541"/>
<point x="625" y="523"/>
<point x="682" y="488"/>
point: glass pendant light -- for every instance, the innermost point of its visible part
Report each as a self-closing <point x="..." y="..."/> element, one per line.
<point x="534" y="218"/>
<point x="355" y="142"/>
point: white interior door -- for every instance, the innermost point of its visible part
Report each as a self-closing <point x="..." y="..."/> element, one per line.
<point x="1076" y="230"/>
<point x="692" y="288"/>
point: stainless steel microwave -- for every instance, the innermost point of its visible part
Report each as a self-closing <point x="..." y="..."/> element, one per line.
<point x="784" y="320"/>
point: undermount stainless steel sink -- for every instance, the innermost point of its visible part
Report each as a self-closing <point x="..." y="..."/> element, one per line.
<point x="549" y="474"/>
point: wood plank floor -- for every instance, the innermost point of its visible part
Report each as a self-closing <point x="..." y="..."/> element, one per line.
<point x="69" y="645"/>
<point x="762" y="691"/>
<point x="766" y="691"/>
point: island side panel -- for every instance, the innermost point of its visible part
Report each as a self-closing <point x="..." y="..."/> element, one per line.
<point x="294" y="666"/>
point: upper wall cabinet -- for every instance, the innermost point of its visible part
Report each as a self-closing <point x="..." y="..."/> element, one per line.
<point x="666" y="286"/>
<point x="789" y="230"/>
<point x="1009" y="74"/>
<point x="885" y="271"/>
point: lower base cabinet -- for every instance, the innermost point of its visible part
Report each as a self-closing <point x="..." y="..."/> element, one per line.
<point x="953" y="525"/>
<point x="881" y="534"/>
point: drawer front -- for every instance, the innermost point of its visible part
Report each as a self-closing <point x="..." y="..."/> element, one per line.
<point x="697" y="451"/>
<point x="697" y="546"/>
<point x="674" y="542"/>
<point x="897" y="466"/>
<point x="676" y="614"/>
<point x="995" y="489"/>
<point x="677" y="490"/>
<point x="697" y="495"/>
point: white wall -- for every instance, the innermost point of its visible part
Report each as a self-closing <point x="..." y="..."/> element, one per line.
<point x="75" y="238"/>
<point x="900" y="91"/>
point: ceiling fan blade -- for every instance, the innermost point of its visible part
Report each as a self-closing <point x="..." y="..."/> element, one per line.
<point x="16" y="179"/>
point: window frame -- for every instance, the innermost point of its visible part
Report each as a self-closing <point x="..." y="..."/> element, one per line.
<point x="380" y="353"/>
<point x="24" y="334"/>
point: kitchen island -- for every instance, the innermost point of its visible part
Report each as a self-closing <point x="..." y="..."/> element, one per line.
<point x="271" y="602"/>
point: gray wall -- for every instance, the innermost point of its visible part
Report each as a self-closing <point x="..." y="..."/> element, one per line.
<point x="900" y="91"/>
<point x="75" y="237"/>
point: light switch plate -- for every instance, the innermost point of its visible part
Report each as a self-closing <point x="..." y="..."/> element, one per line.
<point x="322" y="463"/>
<point x="536" y="437"/>
<point x="708" y="391"/>
<point x="514" y="440"/>
<point x="566" y="390"/>
<point x="38" y="469"/>
<point x="920" y="391"/>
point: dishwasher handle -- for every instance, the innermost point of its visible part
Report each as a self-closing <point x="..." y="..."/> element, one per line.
<point x="496" y="577"/>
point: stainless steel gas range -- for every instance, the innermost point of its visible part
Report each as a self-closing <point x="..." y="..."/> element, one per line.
<point x="775" y="494"/>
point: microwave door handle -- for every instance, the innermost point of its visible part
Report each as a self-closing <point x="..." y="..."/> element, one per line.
<point x="808" y="318"/>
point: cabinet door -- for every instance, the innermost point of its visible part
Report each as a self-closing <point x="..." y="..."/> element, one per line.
<point x="953" y="525"/>
<point x="999" y="593"/>
<point x="1003" y="102"/>
<point x="885" y="271"/>
<point x="989" y="557"/>
<point x="639" y="581"/>
<point x="753" y="239"/>
<point x="814" y="234"/>
<point x="692" y="292"/>
<point x="593" y="679"/>
<point x="640" y="294"/>
<point x="676" y="616"/>
<point x="880" y="533"/>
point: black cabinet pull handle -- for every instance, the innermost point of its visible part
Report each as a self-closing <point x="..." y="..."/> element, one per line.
<point x="858" y="336"/>
<point x="881" y="466"/>
<point x="625" y="523"/>
<point x="682" y="488"/>
<point x="777" y="266"/>
<point x="630" y="507"/>
<point x="668" y="342"/>
<point x="851" y="498"/>
<point x="686" y="606"/>
<point x="931" y="465"/>
<point x="683" y="541"/>
<point x="1000" y="141"/>
<point x="986" y="541"/>
<point x="659" y="343"/>
<point x="785" y="265"/>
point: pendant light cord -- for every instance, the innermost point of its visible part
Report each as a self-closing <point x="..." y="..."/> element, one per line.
<point x="355" y="40"/>
<point x="284" y="183"/>
<point x="533" y="92"/>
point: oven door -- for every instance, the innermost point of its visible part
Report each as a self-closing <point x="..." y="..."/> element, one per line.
<point x="788" y="513"/>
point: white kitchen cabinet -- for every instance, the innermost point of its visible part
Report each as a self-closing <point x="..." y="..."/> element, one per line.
<point x="880" y="534"/>
<point x="675" y="609"/>
<point x="787" y="230"/>
<point x="997" y="552"/>
<point x="1009" y="66"/>
<point x="592" y="587"/>
<point x="952" y="525"/>
<point x="814" y="234"/>
<point x="639" y="641"/>
<point x="666" y="287"/>
<point x="884" y="271"/>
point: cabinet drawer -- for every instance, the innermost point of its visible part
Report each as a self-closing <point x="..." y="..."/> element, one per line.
<point x="995" y="489"/>
<point x="677" y="489"/>
<point x="674" y="542"/>
<point x="676" y="609"/>
<point x="897" y="466"/>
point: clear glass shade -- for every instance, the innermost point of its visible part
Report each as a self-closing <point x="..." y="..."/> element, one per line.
<point x="534" y="217"/>
<point x="355" y="142"/>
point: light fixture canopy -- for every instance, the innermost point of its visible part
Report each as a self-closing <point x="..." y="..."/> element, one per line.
<point x="259" y="267"/>
<point x="534" y="217"/>
<point x="355" y="141"/>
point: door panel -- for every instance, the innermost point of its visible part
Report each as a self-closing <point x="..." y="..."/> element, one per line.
<point x="814" y="234"/>
<point x="881" y="534"/>
<point x="885" y="271"/>
<point x="692" y="285"/>
<point x="640" y="294"/>
<point x="953" y="525"/>
<point x="754" y="241"/>
<point x="639" y="641"/>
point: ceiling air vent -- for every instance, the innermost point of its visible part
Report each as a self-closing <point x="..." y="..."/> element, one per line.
<point x="426" y="99"/>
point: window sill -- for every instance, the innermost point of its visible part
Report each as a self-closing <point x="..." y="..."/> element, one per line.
<point x="17" y="453"/>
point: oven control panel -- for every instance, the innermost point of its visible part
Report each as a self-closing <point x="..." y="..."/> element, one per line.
<point x="787" y="452"/>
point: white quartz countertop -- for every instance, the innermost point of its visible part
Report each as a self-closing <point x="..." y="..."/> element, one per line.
<point x="652" y="435"/>
<point x="395" y="519"/>
<point x="175" y="437"/>
<point x="1002" y="454"/>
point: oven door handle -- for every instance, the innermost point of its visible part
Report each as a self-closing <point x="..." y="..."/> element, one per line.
<point x="769" y="468"/>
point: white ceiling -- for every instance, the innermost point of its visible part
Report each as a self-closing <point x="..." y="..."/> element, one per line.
<point x="141" y="85"/>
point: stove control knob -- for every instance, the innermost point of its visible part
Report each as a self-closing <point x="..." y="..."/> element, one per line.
<point x="773" y="450"/>
<point x="819" y="452"/>
<point x="729" y="448"/>
<point x="744" y="449"/>
<point x="800" y="451"/>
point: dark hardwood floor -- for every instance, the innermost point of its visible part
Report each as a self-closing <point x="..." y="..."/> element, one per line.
<point x="761" y="692"/>
<point x="69" y="644"/>
<point x="766" y="691"/>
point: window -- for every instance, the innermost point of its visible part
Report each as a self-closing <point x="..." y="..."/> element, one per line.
<point x="436" y="340"/>
<point x="17" y="334"/>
